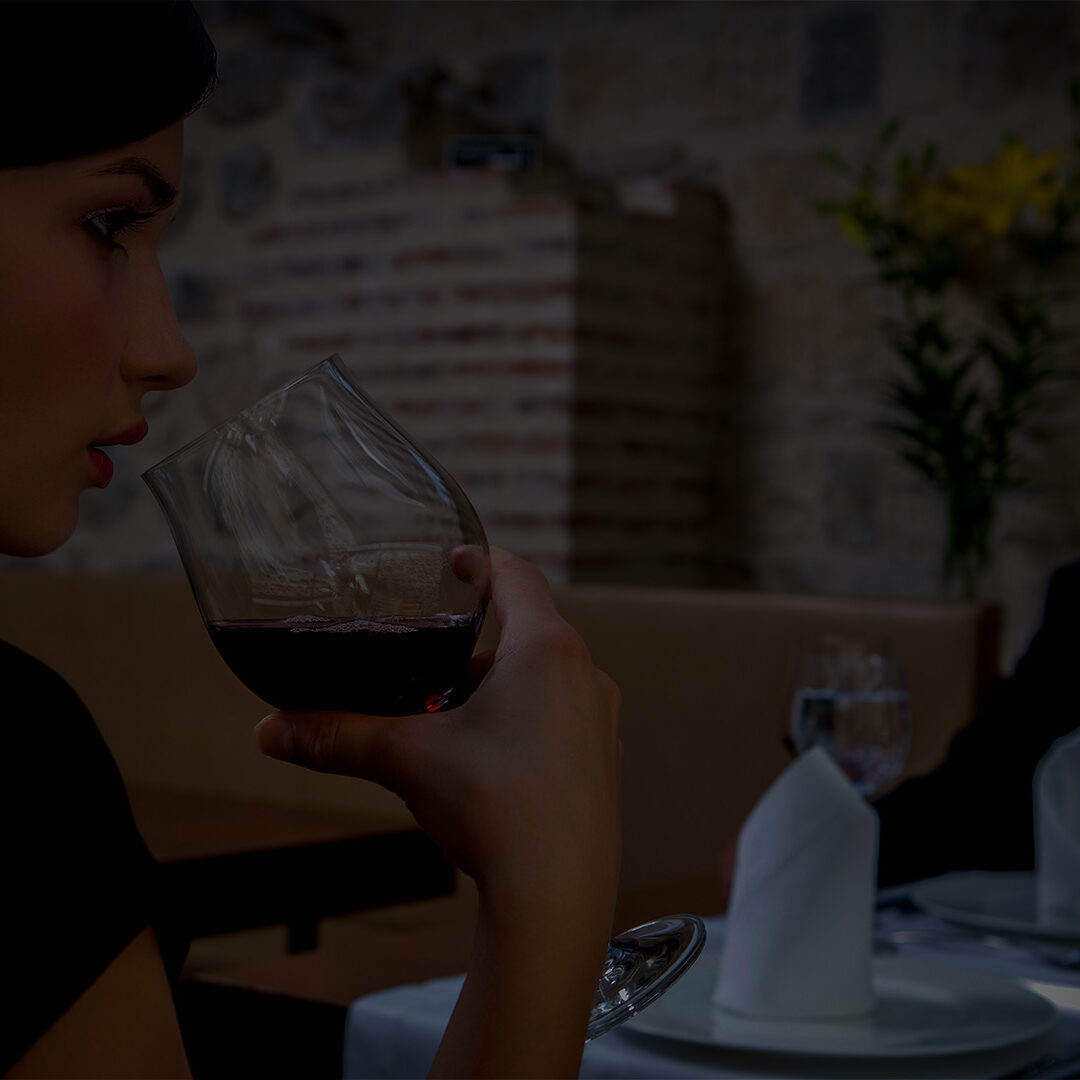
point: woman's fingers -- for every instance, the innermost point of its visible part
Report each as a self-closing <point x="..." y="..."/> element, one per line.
<point x="520" y="597"/>
<point x="333" y="742"/>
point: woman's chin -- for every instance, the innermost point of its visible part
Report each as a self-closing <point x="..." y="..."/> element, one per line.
<point x="31" y="539"/>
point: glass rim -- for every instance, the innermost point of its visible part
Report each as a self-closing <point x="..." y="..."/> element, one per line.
<point x="332" y="363"/>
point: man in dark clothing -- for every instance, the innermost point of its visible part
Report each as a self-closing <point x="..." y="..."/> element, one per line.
<point x="974" y="811"/>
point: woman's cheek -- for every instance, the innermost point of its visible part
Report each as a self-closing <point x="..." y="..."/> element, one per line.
<point x="89" y="334"/>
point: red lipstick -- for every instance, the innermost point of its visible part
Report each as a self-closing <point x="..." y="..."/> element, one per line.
<point x="127" y="437"/>
<point x="101" y="467"/>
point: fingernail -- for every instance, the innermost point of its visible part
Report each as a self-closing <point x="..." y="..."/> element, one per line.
<point x="274" y="734"/>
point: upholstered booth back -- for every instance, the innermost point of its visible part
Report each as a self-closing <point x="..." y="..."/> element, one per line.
<point x="704" y="676"/>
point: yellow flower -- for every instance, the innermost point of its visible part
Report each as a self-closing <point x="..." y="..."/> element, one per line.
<point x="992" y="195"/>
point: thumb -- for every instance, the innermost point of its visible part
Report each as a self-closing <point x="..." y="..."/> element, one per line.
<point x="333" y="742"/>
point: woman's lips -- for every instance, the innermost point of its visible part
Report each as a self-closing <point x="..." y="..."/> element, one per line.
<point x="128" y="437"/>
<point x="101" y="467"/>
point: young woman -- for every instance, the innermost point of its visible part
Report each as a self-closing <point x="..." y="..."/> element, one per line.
<point x="518" y="785"/>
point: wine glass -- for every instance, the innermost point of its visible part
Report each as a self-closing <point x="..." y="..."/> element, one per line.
<point x="851" y="698"/>
<point x="338" y="566"/>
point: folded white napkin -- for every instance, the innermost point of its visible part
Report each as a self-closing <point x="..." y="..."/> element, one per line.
<point x="1057" y="832"/>
<point x="800" y="918"/>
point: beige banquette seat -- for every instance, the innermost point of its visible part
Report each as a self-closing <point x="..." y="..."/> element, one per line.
<point x="703" y="676"/>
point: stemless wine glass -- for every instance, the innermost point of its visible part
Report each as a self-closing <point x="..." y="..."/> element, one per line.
<point x="851" y="698"/>
<point x="338" y="566"/>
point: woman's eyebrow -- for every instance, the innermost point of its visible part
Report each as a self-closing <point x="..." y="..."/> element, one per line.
<point x="163" y="193"/>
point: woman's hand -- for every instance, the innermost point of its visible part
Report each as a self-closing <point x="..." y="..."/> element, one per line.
<point x="519" y="786"/>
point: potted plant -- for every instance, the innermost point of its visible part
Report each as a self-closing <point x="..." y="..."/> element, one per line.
<point x="974" y="255"/>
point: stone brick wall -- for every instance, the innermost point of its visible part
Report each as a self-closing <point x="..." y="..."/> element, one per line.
<point x="793" y="487"/>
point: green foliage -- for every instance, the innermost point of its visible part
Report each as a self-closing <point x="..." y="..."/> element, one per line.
<point x="965" y="397"/>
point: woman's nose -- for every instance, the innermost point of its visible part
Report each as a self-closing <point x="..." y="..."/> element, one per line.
<point x="159" y="355"/>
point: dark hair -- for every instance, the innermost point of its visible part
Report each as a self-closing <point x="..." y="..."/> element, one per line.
<point x="89" y="75"/>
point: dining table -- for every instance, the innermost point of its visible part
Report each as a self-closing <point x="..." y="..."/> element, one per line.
<point x="988" y="1001"/>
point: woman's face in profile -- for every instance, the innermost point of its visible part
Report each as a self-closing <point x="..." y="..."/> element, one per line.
<point x="86" y="326"/>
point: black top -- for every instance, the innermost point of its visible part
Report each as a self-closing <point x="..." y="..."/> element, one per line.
<point x="78" y="881"/>
<point x="975" y="810"/>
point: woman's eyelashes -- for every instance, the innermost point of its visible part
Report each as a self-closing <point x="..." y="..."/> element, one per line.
<point x="112" y="225"/>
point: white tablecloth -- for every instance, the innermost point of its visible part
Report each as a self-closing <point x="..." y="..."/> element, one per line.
<point x="395" y="1033"/>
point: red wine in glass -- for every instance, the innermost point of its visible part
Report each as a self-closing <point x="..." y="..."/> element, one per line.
<point x="392" y="666"/>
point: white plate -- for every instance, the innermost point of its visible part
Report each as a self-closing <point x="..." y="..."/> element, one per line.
<point x="923" y="1009"/>
<point x="999" y="902"/>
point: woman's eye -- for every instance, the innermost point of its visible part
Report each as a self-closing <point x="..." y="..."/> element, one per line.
<point x="111" y="225"/>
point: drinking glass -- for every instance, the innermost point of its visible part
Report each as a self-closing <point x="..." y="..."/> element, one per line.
<point x="338" y="566"/>
<point x="851" y="698"/>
